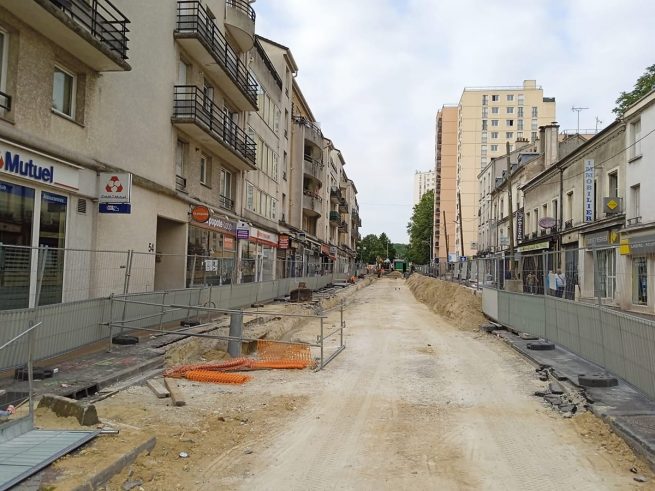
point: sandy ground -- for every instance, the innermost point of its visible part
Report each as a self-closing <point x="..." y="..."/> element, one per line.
<point x="413" y="402"/>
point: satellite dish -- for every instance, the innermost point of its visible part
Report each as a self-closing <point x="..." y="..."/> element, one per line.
<point x="547" y="222"/>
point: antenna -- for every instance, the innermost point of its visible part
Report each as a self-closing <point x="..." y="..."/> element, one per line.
<point x="598" y="121"/>
<point x="578" y="110"/>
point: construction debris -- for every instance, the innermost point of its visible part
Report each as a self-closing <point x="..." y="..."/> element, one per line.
<point x="176" y="394"/>
<point x="157" y="387"/>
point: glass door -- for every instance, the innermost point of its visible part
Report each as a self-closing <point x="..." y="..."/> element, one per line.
<point x="52" y="235"/>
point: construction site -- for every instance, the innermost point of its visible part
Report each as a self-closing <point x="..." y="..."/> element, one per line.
<point x="385" y="383"/>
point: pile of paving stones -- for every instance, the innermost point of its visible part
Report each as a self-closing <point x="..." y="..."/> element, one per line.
<point x="555" y="394"/>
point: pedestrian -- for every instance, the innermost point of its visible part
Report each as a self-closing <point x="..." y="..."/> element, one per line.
<point x="560" y="283"/>
<point x="531" y="280"/>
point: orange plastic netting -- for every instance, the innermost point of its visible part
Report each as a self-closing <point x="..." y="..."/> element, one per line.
<point x="270" y="355"/>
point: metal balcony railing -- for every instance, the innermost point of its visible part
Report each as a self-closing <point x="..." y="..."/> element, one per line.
<point x="633" y="221"/>
<point x="313" y="167"/>
<point x="102" y="19"/>
<point x="243" y="6"/>
<point x="226" y="202"/>
<point x="335" y="194"/>
<point x="5" y="101"/>
<point x="335" y="216"/>
<point x="192" y="18"/>
<point x="191" y="103"/>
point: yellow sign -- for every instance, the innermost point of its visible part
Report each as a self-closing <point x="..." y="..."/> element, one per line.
<point x="614" y="237"/>
<point x="612" y="204"/>
<point x="624" y="247"/>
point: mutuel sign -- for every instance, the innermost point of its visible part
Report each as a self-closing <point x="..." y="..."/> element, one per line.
<point x="13" y="164"/>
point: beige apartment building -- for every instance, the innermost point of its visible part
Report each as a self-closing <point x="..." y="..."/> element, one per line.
<point x="445" y="195"/>
<point x="487" y="118"/>
<point x="191" y="110"/>
<point x="423" y="182"/>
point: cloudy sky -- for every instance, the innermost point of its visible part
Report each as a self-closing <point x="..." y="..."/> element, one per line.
<point x="375" y="72"/>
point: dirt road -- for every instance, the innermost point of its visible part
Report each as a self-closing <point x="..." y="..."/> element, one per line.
<point x="414" y="403"/>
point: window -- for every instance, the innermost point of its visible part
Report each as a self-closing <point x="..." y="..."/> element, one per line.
<point x="207" y="95"/>
<point x="510" y="97"/>
<point x="484" y="125"/>
<point x="483" y="150"/>
<point x="3" y="61"/>
<point x="494" y="110"/>
<point x="225" y="186"/>
<point x="544" y="210"/>
<point x="494" y="122"/>
<point x="510" y="110"/>
<point x="554" y="210"/>
<point x="536" y="219"/>
<point x="519" y="112"/>
<point x="509" y="134"/>
<point x="535" y="111"/>
<point x="519" y="134"/>
<point x="509" y="122"/>
<point x="494" y="148"/>
<point x="205" y="169"/>
<point x="484" y="137"/>
<point x="639" y="281"/>
<point x="635" y="137"/>
<point x="634" y="198"/>
<point x="485" y="112"/>
<point x="521" y="99"/>
<point x="533" y="136"/>
<point x="250" y="197"/>
<point x="519" y="125"/>
<point x="495" y="98"/>
<point x="485" y="100"/>
<point x="534" y="125"/>
<point x="606" y="273"/>
<point x="613" y="184"/>
<point x="569" y="205"/>
<point x="63" y="92"/>
<point x="502" y="208"/>
<point x="180" y="158"/>
<point x="494" y="135"/>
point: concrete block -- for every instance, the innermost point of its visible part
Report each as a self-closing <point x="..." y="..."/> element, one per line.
<point x="64" y="407"/>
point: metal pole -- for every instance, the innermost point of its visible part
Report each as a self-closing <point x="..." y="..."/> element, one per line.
<point x="511" y="213"/>
<point x="30" y="372"/>
<point x="41" y="271"/>
<point x="600" y="303"/>
<point x="161" y="316"/>
<point x="111" y="319"/>
<point x="126" y="285"/>
<point x="321" y="342"/>
<point x="236" y="334"/>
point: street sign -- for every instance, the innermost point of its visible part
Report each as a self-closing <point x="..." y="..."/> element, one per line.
<point x="200" y="213"/>
<point x="114" y="187"/>
<point x="118" y="208"/>
<point x="243" y="230"/>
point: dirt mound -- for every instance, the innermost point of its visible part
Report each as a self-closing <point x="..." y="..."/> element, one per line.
<point x="395" y="275"/>
<point x="455" y="302"/>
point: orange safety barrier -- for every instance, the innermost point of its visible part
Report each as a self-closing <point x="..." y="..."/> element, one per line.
<point x="273" y="350"/>
<point x="280" y="364"/>
<point x="216" y="377"/>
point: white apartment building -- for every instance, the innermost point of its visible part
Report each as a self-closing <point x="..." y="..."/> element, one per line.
<point x="424" y="181"/>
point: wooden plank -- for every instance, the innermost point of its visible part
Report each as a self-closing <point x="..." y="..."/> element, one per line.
<point x="176" y="394"/>
<point x="157" y="387"/>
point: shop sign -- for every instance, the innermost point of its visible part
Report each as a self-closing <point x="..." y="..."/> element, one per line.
<point x="243" y="231"/>
<point x="606" y="238"/>
<point x="589" y="190"/>
<point x="534" y="247"/>
<point x="644" y="244"/>
<point x="333" y="250"/>
<point x="200" y="214"/>
<point x="114" y="187"/>
<point x="228" y="243"/>
<point x="613" y="206"/>
<point x="38" y="168"/>
<point x="283" y="242"/>
<point x="520" y="220"/>
<point x="325" y="249"/>
<point x="263" y="236"/>
<point x="222" y="224"/>
<point x="117" y="208"/>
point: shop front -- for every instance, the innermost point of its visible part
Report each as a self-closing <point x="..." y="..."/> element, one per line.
<point x="532" y="261"/>
<point x="600" y="265"/>
<point x="211" y="252"/>
<point x="258" y="256"/>
<point x="638" y="251"/>
<point x="35" y="217"/>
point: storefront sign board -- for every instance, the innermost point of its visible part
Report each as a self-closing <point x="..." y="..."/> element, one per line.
<point x="114" y="187"/>
<point x="15" y="161"/>
<point x="589" y="190"/>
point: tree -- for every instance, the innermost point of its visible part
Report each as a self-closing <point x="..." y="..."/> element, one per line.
<point x="643" y="86"/>
<point x="401" y="250"/>
<point x="419" y="229"/>
<point x="389" y="251"/>
<point x="370" y="249"/>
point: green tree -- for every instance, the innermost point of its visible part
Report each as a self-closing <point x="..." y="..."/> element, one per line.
<point x="401" y="250"/>
<point x="389" y="251"/>
<point x="643" y="86"/>
<point x="419" y="229"/>
<point x="370" y="249"/>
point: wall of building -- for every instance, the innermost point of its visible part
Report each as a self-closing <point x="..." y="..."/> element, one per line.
<point x="447" y="156"/>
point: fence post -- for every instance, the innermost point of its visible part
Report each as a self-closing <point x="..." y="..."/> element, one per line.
<point x="600" y="303"/>
<point x="236" y="331"/>
<point x="43" y="257"/>
<point x="30" y="371"/>
<point x="111" y="319"/>
<point x="163" y="307"/>
<point x="126" y="287"/>
<point x="342" y="326"/>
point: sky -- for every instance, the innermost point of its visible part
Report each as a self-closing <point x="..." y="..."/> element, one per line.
<point x="375" y="72"/>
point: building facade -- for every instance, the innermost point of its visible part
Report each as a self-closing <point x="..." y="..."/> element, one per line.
<point x="488" y="117"/>
<point x="424" y="181"/>
<point x="198" y="117"/>
<point x="445" y="193"/>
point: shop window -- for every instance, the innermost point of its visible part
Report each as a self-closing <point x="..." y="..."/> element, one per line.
<point x="639" y="281"/>
<point x="606" y="264"/>
<point x="52" y="240"/>
<point x="64" y="92"/>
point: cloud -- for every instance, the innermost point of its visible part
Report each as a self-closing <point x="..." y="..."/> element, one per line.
<point x="375" y="72"/>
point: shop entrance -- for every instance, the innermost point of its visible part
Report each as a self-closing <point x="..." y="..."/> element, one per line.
<point x="170" y="261"/>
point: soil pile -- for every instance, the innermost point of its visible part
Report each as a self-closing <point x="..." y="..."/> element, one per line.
<point x="455" y="302"/>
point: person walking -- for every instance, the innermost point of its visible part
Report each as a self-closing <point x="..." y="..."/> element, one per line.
<point x="560" y="283"/>
<point x="531" y="280"/>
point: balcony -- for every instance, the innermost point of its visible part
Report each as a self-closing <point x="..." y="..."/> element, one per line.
<point x="343" y="227"/>
<point x="568" y="224"/>
<point x="313" y="168"/>
<point x="95" y="32"/>
<point x="630" y="222"/>
<point x="198" y="34"/>
<point x="225" y="202"/>
<point x="343" y="205"/>
<point x="335" y="195"/>
<point x="180" y="183"/>
<point x="335" y="218"/>
<point x="311" y="204"/>
<point x="212" y="126"/>
<point x="312" y="131"/>
<point x="240" y="22"/>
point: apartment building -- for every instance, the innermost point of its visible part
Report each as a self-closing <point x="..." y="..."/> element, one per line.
<point x="487" y="118"/>
<point x="196" y="124"/>
<point x="445" y="195"/>
<point x="424" y="181"/>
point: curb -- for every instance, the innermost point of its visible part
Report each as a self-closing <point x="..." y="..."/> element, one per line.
<point x="109" y="471"/>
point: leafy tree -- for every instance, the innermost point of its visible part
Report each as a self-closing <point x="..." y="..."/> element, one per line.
<point x="643" y="86"/>
<point x="389" y="251"/>
<point x="419" y="229"/>
<point x="370" y="249"/>
<point x="401" y="250"/>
